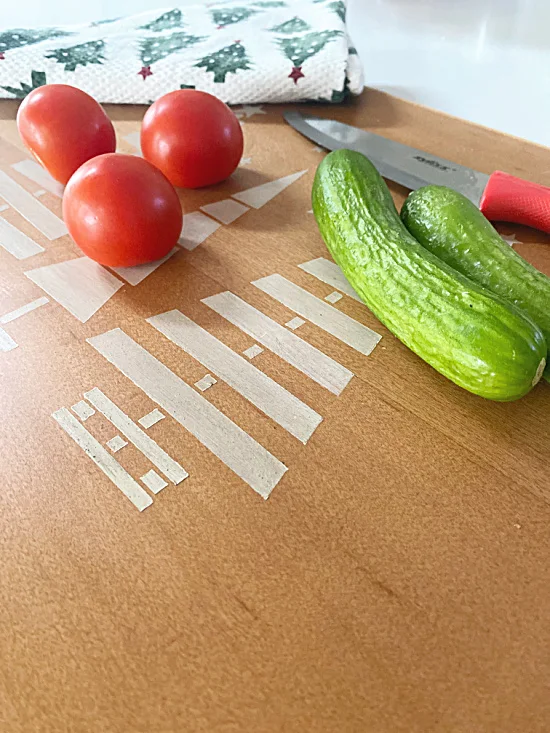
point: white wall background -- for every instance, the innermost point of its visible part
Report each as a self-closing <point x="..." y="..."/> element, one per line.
<point x="485" y="60"/>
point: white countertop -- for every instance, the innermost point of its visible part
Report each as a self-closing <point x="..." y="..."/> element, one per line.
<point x="484" y="60"/>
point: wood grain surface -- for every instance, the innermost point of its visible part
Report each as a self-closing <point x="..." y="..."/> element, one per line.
<point x="397" y="578"/>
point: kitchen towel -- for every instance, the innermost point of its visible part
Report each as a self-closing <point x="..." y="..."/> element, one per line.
<point x="243" y="51"/>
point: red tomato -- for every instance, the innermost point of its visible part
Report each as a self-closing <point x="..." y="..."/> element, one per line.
<point x="121" y="210"/>
<point x="64" y="127"/>
<point x="192" y="137"/>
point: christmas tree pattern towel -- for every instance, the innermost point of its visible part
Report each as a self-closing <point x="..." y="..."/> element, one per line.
<point x="243" y="51"/>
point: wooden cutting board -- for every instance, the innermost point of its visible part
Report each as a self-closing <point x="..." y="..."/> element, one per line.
<point x="397" y="578"/>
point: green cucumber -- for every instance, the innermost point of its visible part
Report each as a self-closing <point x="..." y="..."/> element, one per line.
<point x="471" y="336"/>
<point x="454" y="229"/>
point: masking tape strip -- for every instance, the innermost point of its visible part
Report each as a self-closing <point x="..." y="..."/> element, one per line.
<point x="263" y="392"/>
<point x="323" y="315"/>
<point x="17" y="243"/>
<point x="6" y="341"/>
<point x="35" y="172"/>
<point x="152" y="418"/>
<point x="196" y="228"/>
<point x="205" y="383"/>
<point x="104" y="460"/>
<point x="83" y="410"/>
<point x="329" y="273"/>
<point x="295" y="323"/>
<point x="226" y="211"/>
<point x="319" y="367"/>
<point x="153" y="481"/>
<point x="81" y="286"/>
<point x="30" y="209"/>
<point x="235" y="448"/>
<point x="116" y="444"/>
<point x="253" y="351"/>
<point x="27" y="308"/>
<point x="150" y="449"/>
<point x="138" y="273"/>
<point x="259" y="196"/>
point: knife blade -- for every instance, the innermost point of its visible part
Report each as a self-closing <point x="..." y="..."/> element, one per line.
<point x="500" y="196"/>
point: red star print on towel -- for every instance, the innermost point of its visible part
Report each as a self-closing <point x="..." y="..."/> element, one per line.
<point x="145" y="72"/>
<point x="296" y="74"/>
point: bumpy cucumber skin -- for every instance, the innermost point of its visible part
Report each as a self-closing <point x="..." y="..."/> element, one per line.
<point x="480" y="342"/>
<point x="454" y="229"/>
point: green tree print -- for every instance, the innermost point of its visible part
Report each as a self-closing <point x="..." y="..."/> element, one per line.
<point x="294" y="25"/>
<point x="38" y="79"/>
<point x="300" y="48"/>
<point x="158" y="47"/>
<point x="25" y="37"/>
<point x="171" y="19"/>
<point x="227" y="60"/>
<point x="104" y="22"/>
<point x="223" y="17"/>
<point x="338" y="95"/>
<point x="80" y="55"/>
<point x="339" y="7"/>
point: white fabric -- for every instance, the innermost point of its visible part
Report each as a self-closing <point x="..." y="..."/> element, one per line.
<point x="121" y="62"/>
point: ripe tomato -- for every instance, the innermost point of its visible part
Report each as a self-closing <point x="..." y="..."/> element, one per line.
<point x="192" y="137"/>
<point x="64" y="127"/>
<point x="121" y="210"/>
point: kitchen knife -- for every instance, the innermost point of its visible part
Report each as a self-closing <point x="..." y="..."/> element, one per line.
<point x="500" y="196"/>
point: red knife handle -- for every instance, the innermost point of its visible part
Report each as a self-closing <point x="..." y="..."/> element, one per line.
<point x="507" y="198"/>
